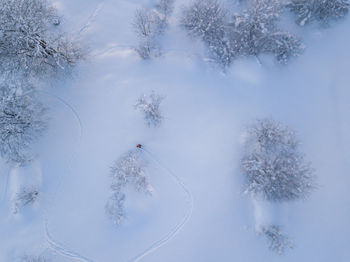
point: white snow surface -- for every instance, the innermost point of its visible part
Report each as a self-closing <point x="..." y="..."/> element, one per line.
<point x="93" y="122"/>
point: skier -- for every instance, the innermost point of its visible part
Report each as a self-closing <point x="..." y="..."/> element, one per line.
<point x="139" y="146"/>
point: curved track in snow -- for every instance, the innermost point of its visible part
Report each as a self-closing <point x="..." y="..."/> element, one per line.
<point x="59" y="248"/>
<point x="177" y="228"/>
<point x="53" y="244"/>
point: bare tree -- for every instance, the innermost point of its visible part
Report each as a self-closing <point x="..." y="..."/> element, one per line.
<point x="148" y="26"/>
<point x="149" y="105"/>
<point x="22" y="120"/>
<point x="278" y="242"/>
<point x="323" y="11"/>
<point x="273" y="167"/>
<point x="128" y="170"/>
<point x="30" y="41"/>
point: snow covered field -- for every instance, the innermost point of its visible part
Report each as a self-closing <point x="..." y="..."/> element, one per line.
<point x="197" y="211"/>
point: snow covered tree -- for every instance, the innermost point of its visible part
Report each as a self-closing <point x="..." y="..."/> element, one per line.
<point x="26" y="196"/>
<point x="207" y="20"/>
<point x="251" y="33"/>
<point x="22" y="121"/>
<point x="323" y="11"/>
<point x="30" y="41"/>
<point x="255" y="32"/>
<point x="148" y="26"/>
<point x="115" y="207"/>
<point x="273" y="167"/>
<point x="149" y="105"/>
<point x="128" y="170"/>
<point x="278" y="242"/>
<point x="165" y="7"/>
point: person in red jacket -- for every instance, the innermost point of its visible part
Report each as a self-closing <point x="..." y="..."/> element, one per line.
<point x="139" y="146"/>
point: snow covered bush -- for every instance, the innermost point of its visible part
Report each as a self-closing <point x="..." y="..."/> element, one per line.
<point x="22" y="121"/>
<point x="149" y="105"/>
<point x="255" y="32"/>
<point x="273" y="167"/>
<point x="30" y="41"/>
<point x="278" y="242"/>
<point x="149" y="26"/>
<point x="26" y="196"/>
<point x="128" y="170"/>
<point x="207" y="20"/>
<point x="323" y="11"/>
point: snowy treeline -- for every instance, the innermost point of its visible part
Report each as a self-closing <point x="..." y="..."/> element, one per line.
<point x="23" y="119"/>
<point x="228" y="35"/>
<point x="128" y="170"/>
<point x="251" y="33"/>
<point x="33" y="49"/>
<point x="31" y="45"/>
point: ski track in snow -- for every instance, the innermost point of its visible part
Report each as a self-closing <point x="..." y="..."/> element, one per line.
<point x="59" y="248"/>
<point x="64" y="251"/>
<point x="156" y="245"/>
<point x="54" y="245"/>
<point x="90" y="20"/>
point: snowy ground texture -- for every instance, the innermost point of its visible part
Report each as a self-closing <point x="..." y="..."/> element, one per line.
<point x="196" y="211"/>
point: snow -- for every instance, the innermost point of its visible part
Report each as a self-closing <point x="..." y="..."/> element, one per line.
<point x="93" y="122"/>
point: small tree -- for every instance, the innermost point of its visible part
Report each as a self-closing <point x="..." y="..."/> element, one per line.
<point x="129" y="170"/>
<point x="149" y="105"/>
<point x="272" y="164"/>
<point x="278" y="242"/>
<point x="30" y="41"/>
<point x="207" y="20"/>
<point x="26" y="196"/>
<point x="115" y="207"/>
<point x="22" y="121"/>
<point x="323" y="11"/>
<point x="255" y="32"/>
<point x="148" y="26"/>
